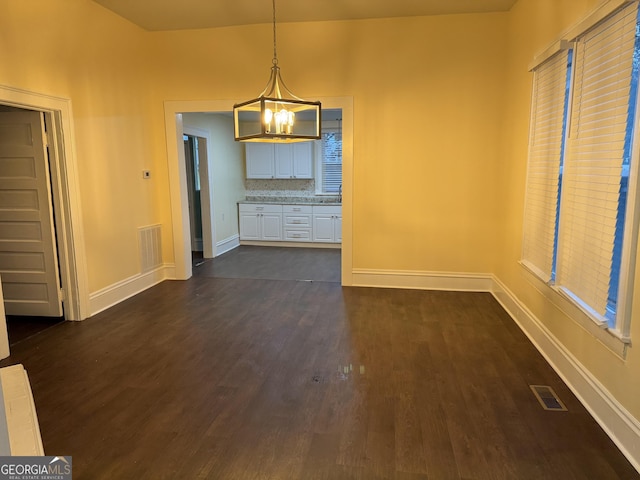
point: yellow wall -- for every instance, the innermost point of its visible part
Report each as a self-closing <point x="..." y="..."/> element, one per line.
<point x="427" y="97"/>
<point x="78" y="50"/>
<point x="533" y="26"/>
<point x="426" y="92"/>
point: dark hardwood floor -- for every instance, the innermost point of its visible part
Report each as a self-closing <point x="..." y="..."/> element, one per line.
<point x="274" y="263"/>
<point x="250" y="378"/>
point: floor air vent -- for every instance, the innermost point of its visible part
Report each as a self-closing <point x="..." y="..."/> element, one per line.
<point x="548" y="398"/>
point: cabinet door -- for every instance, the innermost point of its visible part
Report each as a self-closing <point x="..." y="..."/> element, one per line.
<point x="249" y="226"/>
<point x="323" y="228"/>
<point x="284" y="160"/>
<point x="303" y="160"/>
<point x="271" y="226"/>
<point x="260" y="160"/>
<point x="337" y="229"/>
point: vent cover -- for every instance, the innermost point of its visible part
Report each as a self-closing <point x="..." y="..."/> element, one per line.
<point x="150" y="245"/>
<point x="548" y="398"/>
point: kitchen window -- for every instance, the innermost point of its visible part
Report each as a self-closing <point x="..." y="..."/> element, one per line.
<point x="329" y="150"/>
<point x="580" y="231"/>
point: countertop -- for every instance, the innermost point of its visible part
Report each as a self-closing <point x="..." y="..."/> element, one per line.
<point x="292" y="200"/>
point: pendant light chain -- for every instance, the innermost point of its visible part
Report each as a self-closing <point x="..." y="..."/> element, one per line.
<point x="275" y="54"/>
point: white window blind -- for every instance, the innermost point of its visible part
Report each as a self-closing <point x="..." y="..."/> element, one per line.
<point x="331" y="160"/>
<point x="593" y="163"/>
<point x="545" y="152"/>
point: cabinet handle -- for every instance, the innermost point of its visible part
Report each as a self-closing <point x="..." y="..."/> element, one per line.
<point x="296" y="209"/>
<point x="259" y="208"/>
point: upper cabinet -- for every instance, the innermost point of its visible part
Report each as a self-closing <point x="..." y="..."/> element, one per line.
<point x="260" y="158"/>
<point x="280" y="160"/>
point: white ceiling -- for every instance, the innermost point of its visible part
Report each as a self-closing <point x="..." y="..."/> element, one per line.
<point x="190" y="14"/>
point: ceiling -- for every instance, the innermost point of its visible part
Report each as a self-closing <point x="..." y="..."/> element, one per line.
<point x="156" y="15"/>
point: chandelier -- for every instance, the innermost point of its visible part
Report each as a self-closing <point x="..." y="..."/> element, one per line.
<point x="277" y="114"/>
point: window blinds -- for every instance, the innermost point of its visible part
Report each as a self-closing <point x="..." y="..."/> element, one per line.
<point x="331" y="160"/>
<point x="545" y="150"/>
<point x="594" y="158"/>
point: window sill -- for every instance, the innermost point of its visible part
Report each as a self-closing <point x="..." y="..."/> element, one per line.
<point x="610" y="338"/>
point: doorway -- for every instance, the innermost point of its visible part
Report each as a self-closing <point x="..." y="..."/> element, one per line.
<point x="64" y="192"/>
<point x="192" y="164"/>
<point x="178" y="186"/>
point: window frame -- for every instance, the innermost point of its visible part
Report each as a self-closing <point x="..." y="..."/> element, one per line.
<point x="566" y="301"/>
<point x="319" y="156"/>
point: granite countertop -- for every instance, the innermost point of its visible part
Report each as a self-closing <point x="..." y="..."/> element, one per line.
<point x="293" y="200"/>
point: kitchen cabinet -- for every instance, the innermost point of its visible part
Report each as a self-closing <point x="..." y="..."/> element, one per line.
<point x="259" y="158"/>
<point x="279" y="160"/>
<point x="260" y="222"/>
<point x="297" y="223"/>
<point x="327" y="224"/>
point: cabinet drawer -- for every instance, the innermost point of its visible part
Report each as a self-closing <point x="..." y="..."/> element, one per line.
<point x="295" y="220"/>
<point x="327" y="210"/>
<point x="260" y="208"/>
<point x="294" y="235"/>
<point x="297" y="209"/>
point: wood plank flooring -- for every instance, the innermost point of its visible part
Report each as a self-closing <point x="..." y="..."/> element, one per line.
<point x="244" y="378"/>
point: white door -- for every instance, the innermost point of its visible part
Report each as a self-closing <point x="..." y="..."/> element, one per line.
<point x="337" y="229"/>
<point x="271" y="226"/>
<point x="284" y="160"/>
<point x="249" y="226"/>
<point x="322" y="228"/>
<point x="28" y="256"/>
<point x="303" y="160"/>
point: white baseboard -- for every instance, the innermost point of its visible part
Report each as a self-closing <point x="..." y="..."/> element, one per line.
<point x="615" y="420"/>
<point x="467" y="282"/>
<point x="120" y="291"/>
<point x="228" y="244"/>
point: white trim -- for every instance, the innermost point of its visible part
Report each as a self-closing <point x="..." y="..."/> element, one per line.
<point x="615" y="420"/>
<point x="207" y="213"/>
<point x="4" y="337"/>
<point x="118" y="292"/>
<point x="421" y="280"/>
<point x="280" y="243"/>
<point x="20" y="412"/>
<point x="227" y="244"/>
<point x="567" y="304"/>
<point x="599" y="13"/>
<point x="71" y="246"/>
<point x="549" y="52"/>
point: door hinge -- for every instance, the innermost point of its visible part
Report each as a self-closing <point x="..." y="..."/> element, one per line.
<point x="61" y="294"/>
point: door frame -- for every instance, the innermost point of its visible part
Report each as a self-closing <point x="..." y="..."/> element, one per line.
<point x="173" y="111"/>
<point x="65" y="192"/>
<point x="206" y="191"/>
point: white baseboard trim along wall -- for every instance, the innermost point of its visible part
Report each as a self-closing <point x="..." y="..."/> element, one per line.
<point x="228" y="244"/>
<point x="466" y="282"/>
<point x="614" y="419"/>
<point x="120" y="291"/>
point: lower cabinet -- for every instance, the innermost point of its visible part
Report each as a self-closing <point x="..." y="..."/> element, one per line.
<point x="327" y="224"/>
<point x="290" y="223"/>
<point x="260" y="222"/>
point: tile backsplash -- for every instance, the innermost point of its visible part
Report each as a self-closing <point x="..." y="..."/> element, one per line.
<point x="280" y="188"/>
